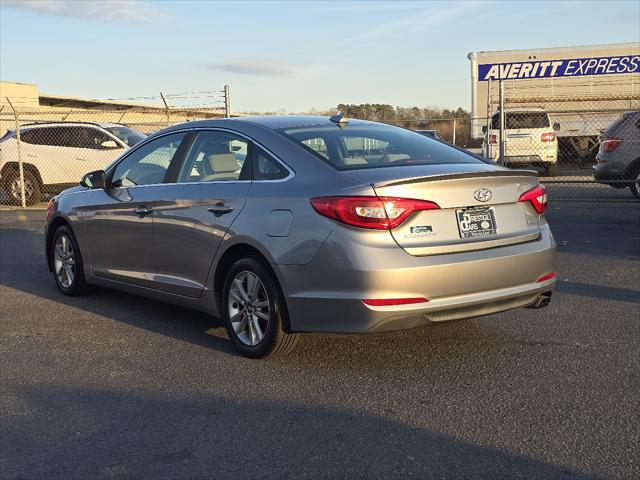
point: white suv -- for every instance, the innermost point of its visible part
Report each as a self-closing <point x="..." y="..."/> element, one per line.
<point x="57" y="155"/>
<point x="530" y="139"/>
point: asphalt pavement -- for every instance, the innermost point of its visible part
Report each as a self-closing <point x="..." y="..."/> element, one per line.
<point x="111" y="386"/>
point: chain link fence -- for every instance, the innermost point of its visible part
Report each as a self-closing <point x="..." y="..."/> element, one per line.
<point x="567" y="139"/>
<point x="45" y="150"/>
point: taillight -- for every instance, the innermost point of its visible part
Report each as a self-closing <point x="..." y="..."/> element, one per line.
<point x="548" y="137"/>
<point x="610" y="144"/>
<point x="493" y="139"/>
<point x="380" y="213"/>
<point x="537" y="196"/>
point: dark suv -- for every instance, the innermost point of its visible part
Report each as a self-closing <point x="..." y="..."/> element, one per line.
<point x="618" y="161"/>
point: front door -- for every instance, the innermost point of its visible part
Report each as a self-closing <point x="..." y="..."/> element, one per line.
<point x="119" y="220"/>
<point x="194" y="213"/>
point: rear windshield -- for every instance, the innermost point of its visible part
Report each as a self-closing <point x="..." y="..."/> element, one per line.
<point x="373" y="146"/>
<point x="514" y="120"/>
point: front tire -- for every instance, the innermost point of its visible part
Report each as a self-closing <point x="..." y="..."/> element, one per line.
<point x="552" y="170"/>
<point x="66" y="260"/>
<point x="254" y="310"/>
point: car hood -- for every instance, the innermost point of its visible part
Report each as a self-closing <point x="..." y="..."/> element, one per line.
<point x="77" y="188"/>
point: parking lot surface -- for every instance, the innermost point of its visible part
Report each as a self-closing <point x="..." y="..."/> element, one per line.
<point x="114" y="386"/>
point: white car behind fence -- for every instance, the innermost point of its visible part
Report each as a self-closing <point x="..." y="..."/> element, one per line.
<point x="56" y="155"/>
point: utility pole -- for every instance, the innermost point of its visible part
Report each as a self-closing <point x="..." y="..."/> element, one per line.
<point x="20" y="165"/>
<point x="227" y="102"/>
<point x="503" y="140"/>
<point x="166" y="106"/>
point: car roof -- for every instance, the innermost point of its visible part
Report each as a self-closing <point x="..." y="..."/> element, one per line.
<point x="71" y="124"/>
<point x="272" y="122"/>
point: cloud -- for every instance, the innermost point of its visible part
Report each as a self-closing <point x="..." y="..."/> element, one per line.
<point x="117" y="11"/>
<point x="437" y="14"/>
<point x="252" y="68"/>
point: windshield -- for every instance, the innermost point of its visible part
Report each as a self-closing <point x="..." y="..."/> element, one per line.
<point x="126" y="134"/>
<point x="515" y="120"/>
<point x="9" y="134"/>
<point x="373" y="146"/>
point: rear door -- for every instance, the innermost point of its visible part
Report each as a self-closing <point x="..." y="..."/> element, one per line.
<point x="52" y="152"/>
<point x="197" y="207"/>
<point x="478" y="209"/>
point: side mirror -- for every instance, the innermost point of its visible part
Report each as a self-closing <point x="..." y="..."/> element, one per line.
<point x="93" y="179"/>
<point x="484" y="129"/>
<point x="109" y="144"/>
<point x="556" y="126"/>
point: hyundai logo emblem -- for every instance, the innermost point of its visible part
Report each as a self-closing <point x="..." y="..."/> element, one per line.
<point x="482" y="194"/>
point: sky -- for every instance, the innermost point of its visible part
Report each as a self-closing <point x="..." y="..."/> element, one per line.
<point x="286" y="56"/>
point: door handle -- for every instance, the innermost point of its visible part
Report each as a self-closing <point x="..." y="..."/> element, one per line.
<point x="143" y="211"/>
<point x="81" y="159"/>
<point x="220" y="209"/>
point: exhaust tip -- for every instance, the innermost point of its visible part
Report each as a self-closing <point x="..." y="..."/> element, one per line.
<point x="542" y="301"/>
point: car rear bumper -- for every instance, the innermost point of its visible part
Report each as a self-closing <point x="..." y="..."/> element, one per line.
<point x="608" y="171"/>
<point x="327" y="294"/>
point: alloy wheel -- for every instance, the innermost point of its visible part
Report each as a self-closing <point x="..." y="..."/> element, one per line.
<point x="249" y="309"/>
<point x="16" y="190"/>
<point x="64" y="261"/>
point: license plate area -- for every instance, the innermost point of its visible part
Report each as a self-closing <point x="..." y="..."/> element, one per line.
<point x="476" y="222"/>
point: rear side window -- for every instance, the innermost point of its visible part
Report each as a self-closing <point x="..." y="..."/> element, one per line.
<point x="38" y="136"/>
<point x="524" y="120"/>
<point x="360" y="145"/>
<point x="267" y="168"/>
<point x="215" y="156"/>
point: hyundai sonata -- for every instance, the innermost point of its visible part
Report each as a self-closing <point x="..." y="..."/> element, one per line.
<point x="290" y="224"/>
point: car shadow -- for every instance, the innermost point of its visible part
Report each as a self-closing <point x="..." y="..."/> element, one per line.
<point x="55" y="432"/>
<point x="599" y="291"/>
<point x="23" y="267"/>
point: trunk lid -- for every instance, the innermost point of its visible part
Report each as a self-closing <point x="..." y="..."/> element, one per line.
<point x="499" y="220"/>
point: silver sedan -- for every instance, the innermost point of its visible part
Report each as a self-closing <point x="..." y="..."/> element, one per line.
<point x="290" y="224"/>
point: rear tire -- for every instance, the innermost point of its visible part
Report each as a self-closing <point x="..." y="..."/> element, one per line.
<point x="552" y="170"/>
<point x="66" y="260"/>
<point x="254" y="310"/>
<point x="32" y="188"/>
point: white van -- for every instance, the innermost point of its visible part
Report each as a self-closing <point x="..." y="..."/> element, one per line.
<point x="530" y="139"/>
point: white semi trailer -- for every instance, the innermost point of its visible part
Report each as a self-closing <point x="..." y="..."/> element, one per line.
<point x="584" y="89"/>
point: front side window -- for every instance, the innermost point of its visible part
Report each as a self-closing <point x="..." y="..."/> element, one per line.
<point x="215" y="157"/>
<point x="357" y="146"/>
<point x="87" y="137"/>
<point x="148" y="164"/>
